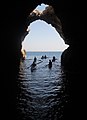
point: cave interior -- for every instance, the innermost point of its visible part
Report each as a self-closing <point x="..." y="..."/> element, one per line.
<point x="68" y="19"/>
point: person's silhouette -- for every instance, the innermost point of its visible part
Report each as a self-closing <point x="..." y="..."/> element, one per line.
<point x="53" y="60"/>
<point x="50" y="64"/>
<point x="35" y="59"/>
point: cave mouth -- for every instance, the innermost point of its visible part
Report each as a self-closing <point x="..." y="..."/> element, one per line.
<point x="43" y="37"/>
<point x="46" y="14"/>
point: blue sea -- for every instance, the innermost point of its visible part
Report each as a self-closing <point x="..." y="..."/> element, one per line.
<point x="31" y="55"/>
<point x="41" y="93"/>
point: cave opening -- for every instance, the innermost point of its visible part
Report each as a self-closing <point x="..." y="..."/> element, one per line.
<point x="42" y="94"/>
<point x="43" y="33"/>
<point x="42" y="79"/>
<point x="43" y="37"/>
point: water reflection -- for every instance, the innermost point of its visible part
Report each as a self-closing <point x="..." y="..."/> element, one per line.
<point x="41" y="94"/>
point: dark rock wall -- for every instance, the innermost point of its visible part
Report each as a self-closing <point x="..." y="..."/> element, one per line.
<point x="72" y="16"/>
<point x="13" y="25"/>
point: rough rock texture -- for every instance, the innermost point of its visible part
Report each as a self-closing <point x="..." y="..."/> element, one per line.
<point x="49" y="16"/>
<point x="14" y="16"/>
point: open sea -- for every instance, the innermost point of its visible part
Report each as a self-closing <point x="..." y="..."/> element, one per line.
<point x="42" y="94"/>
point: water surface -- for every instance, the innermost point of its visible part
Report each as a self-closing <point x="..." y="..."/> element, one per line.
<point x="41" y="94"/>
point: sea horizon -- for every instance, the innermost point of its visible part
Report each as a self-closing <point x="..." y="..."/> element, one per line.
<point x="43" y="51"/>
<point x="42" y="91"/>
<point x="39" y="54"/>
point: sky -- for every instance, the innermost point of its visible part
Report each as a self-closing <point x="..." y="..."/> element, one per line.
<point x="43" y="37"/>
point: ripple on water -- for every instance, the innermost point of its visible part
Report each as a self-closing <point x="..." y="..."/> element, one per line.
<point x="40" y="94"/>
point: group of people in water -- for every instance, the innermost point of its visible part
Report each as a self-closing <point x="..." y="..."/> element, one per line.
<point x="33" y="65"/>
<point x="50" y="62"/>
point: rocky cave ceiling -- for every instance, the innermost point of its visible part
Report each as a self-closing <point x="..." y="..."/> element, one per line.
<point x="48" y="15"/>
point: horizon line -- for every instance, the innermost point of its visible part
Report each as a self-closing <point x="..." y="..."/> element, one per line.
<point x="45" y="51"/>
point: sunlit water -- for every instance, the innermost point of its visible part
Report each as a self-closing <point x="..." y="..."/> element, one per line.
<point x="41" y="93"/>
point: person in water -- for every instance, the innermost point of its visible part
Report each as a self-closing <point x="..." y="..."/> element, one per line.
<point x="35" y="59"/>
<point x="50" y="64"/>
<point x="43" y="57"/>
<point x="53" y="60"/>
<point x="33" y="64"/>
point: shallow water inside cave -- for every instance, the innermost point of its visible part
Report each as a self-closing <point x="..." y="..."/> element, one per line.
<point x="42" y="94"/>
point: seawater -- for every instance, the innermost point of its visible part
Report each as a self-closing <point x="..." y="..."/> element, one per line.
<point x="41" y="94"/>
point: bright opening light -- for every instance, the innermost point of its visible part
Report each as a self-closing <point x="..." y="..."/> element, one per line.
<point x="41" y="7"/>
<point x="43" y="37"/>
